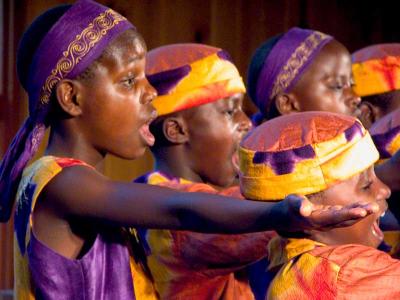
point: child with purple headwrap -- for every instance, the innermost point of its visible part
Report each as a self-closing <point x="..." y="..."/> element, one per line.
<point x="301" y="70"/>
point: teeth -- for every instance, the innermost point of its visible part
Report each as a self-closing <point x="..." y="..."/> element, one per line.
<point x="383" y="214"/>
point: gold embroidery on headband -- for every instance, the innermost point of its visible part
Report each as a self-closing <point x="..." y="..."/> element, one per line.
<point x="78" y="48"/>
<point x="296" y="61"/>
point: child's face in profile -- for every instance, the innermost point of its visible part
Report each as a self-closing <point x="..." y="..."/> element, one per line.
<point x="116" y="100"/>
<point x="327" y="83"/>
<point x="215" y="132"/>
<point x="363" y="187"/>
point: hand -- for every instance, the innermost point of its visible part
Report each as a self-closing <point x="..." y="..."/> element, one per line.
<point x="302" y="215"/>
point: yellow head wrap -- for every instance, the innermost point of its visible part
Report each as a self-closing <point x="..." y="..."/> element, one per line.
<point x="303" y="153"/>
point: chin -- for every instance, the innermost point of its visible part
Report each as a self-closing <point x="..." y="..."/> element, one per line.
<point x="131" y="155"/>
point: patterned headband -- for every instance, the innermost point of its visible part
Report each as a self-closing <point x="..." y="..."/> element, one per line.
<point x="386" y="134"/>
<point x="189" y="75"/>
<point x="76" y="40"/>
<point x="376" y="69"/>
<point x="286" y="62"/>
<point x="303" y="153"/>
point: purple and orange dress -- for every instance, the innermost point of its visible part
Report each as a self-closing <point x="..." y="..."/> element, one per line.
<point x="106" y="271"/>
<point x="312" y="270"/>
<point x="190" y="265"/>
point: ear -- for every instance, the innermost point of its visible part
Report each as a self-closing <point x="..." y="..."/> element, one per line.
<point x="286" y="103"/>
<point x="67" y="97"/>
<point x="369" y="113"/>
<point x="175" y="130"/>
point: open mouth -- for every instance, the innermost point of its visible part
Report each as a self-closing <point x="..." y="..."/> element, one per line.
<point x="356" y="113"/>
<point x="144" y="130"/>
<point x="376" y="231"/>
<point x="235" y="162"/>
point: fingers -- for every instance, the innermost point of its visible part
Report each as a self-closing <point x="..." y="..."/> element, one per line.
<point x="301" y="204"/>
<point x="338" y="216"/>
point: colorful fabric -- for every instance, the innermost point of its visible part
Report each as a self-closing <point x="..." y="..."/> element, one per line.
<point x="188" y="265"/>
<point x="286" y="62"/>
<point x="386" y="134"/>
<point x="376" y="69"/>
<point x="311" y="270"/>
<point x="77" y="39"/>
<point x="106" y="271"/>
<point x="189" y="75"/>
<point x="303" y="153"/>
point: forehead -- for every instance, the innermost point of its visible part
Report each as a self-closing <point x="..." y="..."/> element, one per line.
<point x="126" y="47"/>
<point x="334" y="57"/>
<point x="353" y="181"/>
<point x="235" y="99"/>
<point x="204" y="110"/>
<point x="332" y="54"/>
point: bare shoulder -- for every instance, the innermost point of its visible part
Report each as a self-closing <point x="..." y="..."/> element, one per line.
<point x="72" y="187"/>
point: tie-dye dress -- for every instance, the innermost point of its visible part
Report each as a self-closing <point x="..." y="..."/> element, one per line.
<point x="311" y="270"/>
<point x="189" y="265"/>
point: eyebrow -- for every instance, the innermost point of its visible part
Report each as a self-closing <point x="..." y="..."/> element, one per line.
<point x="364" y="176"/>
<point x="136" y="57"/>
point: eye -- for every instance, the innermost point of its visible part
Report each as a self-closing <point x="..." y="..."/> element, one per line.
<point x="337" y="86"/>
<point x="128" y="82"/>
<point x="230" y="112"/>
<point x="366" y="186"/>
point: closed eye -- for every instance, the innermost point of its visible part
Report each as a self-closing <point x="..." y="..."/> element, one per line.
<point x="366" y="186"/>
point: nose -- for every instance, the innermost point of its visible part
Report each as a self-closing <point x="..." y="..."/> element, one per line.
<point x="149" y="92"/>
<point x="244" y="123"/>
<point x="352" y="99"/>
<point x="382" y="193"/>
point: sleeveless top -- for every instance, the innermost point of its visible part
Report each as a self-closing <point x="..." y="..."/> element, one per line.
<point x="106" y="271"/>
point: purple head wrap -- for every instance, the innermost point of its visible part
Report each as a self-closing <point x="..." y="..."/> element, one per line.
<point x="286" y="62"/>
<point x="77" y="39"/>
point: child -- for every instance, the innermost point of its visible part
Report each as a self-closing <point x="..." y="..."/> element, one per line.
<point x="200" y="125"/>
<point x="83" y="68"/>
<point x="301" y="70"/>
<point x="386" y="135"/>
<point x="305" y="70"/>
<point x="376" y="72"/>
<point x="328" y="157"/>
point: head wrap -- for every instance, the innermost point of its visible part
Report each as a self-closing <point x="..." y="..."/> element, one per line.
<point x="376" y="69"/>
<point x="303" y="153"/>
<point x="386" y="134"/>
<point x="189" y="75"/>
<point x="284" y="59"/>
<point x="75" y="40"/>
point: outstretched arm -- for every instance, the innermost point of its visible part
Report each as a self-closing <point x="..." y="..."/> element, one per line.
<point x="138" y="205"/>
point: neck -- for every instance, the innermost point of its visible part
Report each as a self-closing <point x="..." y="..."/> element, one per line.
<point x="173" y="161"/>
<point x="66" y="142"/>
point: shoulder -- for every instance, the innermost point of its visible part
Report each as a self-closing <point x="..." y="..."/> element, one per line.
<point x="353" y="254"/>
<point x="363" y="271"/>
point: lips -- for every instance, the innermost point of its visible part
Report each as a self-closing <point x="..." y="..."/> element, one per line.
<point x="144" y="130"/>
<point x="376" y="231"/>
<point x="235" y="162"/>
<point x="356" y="113"/>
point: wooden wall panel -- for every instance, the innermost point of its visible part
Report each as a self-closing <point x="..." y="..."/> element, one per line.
<point x="10" y="118"/>
<point x="238" y="26"/>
